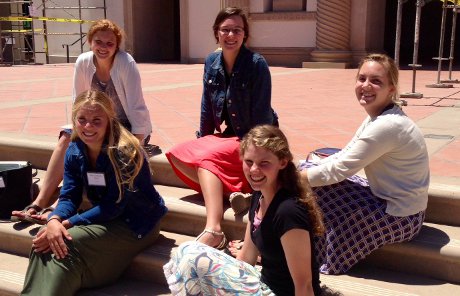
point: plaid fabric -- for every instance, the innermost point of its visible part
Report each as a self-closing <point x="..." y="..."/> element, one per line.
<point x="357" y="224"/>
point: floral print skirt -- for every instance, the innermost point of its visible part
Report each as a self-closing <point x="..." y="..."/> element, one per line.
<point x="197" y="269"/>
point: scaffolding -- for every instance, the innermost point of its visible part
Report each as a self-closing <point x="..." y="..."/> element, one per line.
<point x="16" y="42"/>
<point x="34" y="31"/>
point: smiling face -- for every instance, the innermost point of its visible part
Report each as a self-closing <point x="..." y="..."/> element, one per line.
<point x="230" y="34"/>
<point x="373" y="88"/>
<point x="91" y="124"/>
<point x="261" y="167"/>
<point x="104" y="44"/>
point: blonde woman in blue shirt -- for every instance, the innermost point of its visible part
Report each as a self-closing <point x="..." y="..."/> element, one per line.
<point x="89" y="249"/>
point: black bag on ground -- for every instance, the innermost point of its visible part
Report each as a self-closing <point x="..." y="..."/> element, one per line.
<point x="15" y="186"/>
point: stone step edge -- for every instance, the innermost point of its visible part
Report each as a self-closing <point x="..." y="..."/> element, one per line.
<point x="146" y="269"/>
<point x="443" y="202"/>
<point x="12" y="279"/>
<point x="437" y="245"/>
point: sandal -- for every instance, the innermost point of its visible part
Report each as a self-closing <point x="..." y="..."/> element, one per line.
<point x="23" y="215"/>
<point x="152" y="150"/>
<point x="38" y="218"/>
<point x="240" y="202"/>
<point x="223" y="242"/>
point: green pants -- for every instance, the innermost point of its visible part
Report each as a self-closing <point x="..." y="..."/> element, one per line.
<point x="98" y="255"/>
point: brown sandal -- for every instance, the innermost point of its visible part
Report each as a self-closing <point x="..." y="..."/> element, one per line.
<point x="23" y="214"/>
<point x="240" y="202"/>
<point x="38" y="217"/>
<point x="223" y="242"/>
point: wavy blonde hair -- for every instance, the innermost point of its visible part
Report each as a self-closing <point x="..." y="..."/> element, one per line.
<point x="274" y="140"/>
<point x="123" y="149"/>
<point x="390" y="67"/>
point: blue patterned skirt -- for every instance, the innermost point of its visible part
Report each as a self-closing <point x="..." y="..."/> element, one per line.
<point x="357" y="224"/>
<point x="197" y="269"/>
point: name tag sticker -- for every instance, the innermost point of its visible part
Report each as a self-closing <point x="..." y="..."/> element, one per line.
<point x="2" y="183"/>
<point x="96" y="179"/>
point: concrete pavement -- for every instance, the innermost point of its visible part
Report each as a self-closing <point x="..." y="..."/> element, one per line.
<point x="317" y="107"/>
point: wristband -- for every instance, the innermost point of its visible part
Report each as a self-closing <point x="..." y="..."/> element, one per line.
<point x="53" y="218"/>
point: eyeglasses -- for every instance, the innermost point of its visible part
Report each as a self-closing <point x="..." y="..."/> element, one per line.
<point x="236" y="31"/>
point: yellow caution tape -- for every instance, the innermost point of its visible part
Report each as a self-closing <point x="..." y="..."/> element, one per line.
<point x="41" y="18"/>
<point x="455" y="2"/>
<point x="21" y="31"/>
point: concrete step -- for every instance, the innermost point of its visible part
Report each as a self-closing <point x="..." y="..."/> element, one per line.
<point x="437" y="245"/>
<point x="13" y="270"/>
<point x="443" y="203"/>
<point x="145" y="277"/>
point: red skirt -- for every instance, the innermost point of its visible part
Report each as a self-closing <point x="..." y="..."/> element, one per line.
<point x="216" y="154"/>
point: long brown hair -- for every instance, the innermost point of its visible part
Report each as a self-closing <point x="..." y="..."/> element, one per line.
<point x="274" y="140"/>
<point x="124" y="150"/>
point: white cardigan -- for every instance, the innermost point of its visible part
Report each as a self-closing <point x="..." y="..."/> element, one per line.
<point x="127" y="82"/>
<point x="393" y="153"/>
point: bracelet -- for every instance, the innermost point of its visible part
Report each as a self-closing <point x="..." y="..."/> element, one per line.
<point x="53" y="218"/>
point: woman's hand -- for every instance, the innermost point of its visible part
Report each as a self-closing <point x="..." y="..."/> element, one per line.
<point x="40" y="242"/>
<point x="51" y="238"/>
<point x="249" y="252"/>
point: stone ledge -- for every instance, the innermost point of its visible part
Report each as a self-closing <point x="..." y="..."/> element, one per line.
<point x="436" y="246"/>
<point x="443" y="202"/>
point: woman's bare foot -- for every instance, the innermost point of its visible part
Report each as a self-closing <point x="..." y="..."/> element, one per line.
<point x="42" y="216"/>
<point x="31" y="209"/>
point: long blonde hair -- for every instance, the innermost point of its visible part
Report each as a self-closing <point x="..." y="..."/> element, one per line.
<point x="123" y="149"/>
<point x="274" y="140"/>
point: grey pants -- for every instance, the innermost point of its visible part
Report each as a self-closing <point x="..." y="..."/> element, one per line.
<point x="98" y="255"/>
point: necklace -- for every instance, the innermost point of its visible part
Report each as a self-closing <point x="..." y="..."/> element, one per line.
<point x="102" y="85"/>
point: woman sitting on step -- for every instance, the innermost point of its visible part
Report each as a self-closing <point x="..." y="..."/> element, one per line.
<point x="283" y="219"/>
<point x="237" y="92"/>
<point x="362" y="215"/>
<point x="106" y="67"/>
<point x="88" y="249"/>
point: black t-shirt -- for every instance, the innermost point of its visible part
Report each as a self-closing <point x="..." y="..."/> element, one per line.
<point x="283" y="214"/>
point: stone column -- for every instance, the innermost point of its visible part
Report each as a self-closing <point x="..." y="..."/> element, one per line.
<point x="243" y="4"/>
<point x="332" y="32"/>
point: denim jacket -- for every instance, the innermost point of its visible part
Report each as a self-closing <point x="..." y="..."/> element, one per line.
<point x="141" y="208"/>
<point x="248" y="96"/>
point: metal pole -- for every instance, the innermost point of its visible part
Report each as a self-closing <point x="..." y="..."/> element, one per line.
<point x="45" y="34"/>
<point x="414" y="64"/>
<point x="452" y="45"/>
<point x="105" y="10"/>
<point x="1" y="46"/>
<point x="398" y="31"/>
<point x="438" y="83"/>
<point x="33" y="40"/>
<point x="67" y="52"/>
<point x="81" y="28"/>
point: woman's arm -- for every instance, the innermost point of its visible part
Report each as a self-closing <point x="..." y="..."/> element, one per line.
<point x="369" y="144"/>
<point x="207" y="126"/>
<point x="137" y="113"/>
<point x="296" y="246"/>
<point x="261" y="93"/>
<point x="79" y="78"/>
<point x="249" y="252"/>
